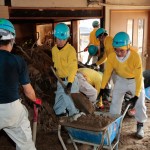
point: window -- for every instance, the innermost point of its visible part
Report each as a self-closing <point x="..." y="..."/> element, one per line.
<point x="130" y="29"/>
<point x="140" y="34"/>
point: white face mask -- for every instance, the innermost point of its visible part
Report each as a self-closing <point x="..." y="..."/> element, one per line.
<point x="6" y="35"/>
<point x="120" y="57"/>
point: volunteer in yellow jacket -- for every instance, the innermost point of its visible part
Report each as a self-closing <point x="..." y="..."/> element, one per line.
<point x="93" y="41"/>
<point x="65" y="63"/>
<point x="126" y="62"/>
<point x="106" y="43"/>
<point x="89" y="82"/>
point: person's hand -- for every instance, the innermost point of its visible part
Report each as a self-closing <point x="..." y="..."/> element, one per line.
<point x="102" y="91"/>
<point x="68" y="88"/>
<point x="93" y="65"/>
<point x="38" y="102"/>
<point x="86" y="49"/>
<point x="133" y="101"/>
<point x="86" y="65"/>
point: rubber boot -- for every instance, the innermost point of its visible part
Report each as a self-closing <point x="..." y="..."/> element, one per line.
<point x="140" y="130"/>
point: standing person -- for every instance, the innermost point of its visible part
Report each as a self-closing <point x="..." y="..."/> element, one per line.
<point x="106" y="45"/>
<point x="126" y="62"/>
<point x="66" y="65"/>
<point x="13" y="72"/>
<point x="93" y="41"/>
<point x="93" y="52"/>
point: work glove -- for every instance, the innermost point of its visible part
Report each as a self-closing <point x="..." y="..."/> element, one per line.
<point x="68" y="88"/>
<point x="133" y="101"/>
<point x="86" y="49"/>
<point x="38" y="102"/>
<point x="102" y="91"/>
<point x="93" y="65"/>
<point x="86" y="65"/>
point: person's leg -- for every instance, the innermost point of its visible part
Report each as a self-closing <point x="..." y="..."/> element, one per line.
<point x="18" y="129"/>
<point x="117" y="96"/>
<point x="63" y="101"/>
<point x="89" y="91"/>
<point x="87" y="88"/>
<point x="140" y="109"/>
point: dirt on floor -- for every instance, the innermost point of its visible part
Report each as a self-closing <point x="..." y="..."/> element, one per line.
<point x="50" y="141"/>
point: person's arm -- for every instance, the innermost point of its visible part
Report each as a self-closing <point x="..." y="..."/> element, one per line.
<point x="138" y="75"/>
<point x="29" y="92"/>
<point x="102" y="60"/>
<point x="89" y="58"/>
<point x="72" y="65"/>
<point x="25" y="81"/>
<point x="107" y="73"/>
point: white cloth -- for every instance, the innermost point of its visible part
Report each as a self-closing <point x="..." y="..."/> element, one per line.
<point x="87" y="88"/>
<point x="122" y="86"/>
<point x="6" y="35"/>
<point x="63" y="102"/>
<point x="14" y="121"/>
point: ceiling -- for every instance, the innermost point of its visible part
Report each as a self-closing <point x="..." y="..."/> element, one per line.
<point x="52" y="15"/>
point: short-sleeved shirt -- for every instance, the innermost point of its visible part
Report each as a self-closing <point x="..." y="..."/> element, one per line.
<point x="13" y="72"/>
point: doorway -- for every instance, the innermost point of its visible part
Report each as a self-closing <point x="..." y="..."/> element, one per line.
<point x="85" y="27"/>
<point x="135" y="23"/>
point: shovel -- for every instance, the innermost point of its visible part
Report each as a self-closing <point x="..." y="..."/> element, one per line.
<point x="80" y="101"/>
<point x="35" y="119"/>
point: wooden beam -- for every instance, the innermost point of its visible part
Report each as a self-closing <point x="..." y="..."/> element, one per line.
<point x="74" y="34"/>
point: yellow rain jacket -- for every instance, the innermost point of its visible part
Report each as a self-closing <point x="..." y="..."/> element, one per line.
<point x="130" y="68"/>
<point x="93" y="77"/>
<point x="65" y="62"/>
<point x="108" y="49"/>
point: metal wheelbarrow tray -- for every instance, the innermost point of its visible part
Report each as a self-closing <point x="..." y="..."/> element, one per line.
<point x="106" y="137"/>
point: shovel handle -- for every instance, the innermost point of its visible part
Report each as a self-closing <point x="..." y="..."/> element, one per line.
<point x="35" y="119"/>
<point x="124" y="113"/>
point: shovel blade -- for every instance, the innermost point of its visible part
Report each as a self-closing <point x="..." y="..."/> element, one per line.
<point x="82" y="103"/>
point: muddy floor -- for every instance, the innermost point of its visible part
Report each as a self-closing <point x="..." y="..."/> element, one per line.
<point x="50" y="141"/>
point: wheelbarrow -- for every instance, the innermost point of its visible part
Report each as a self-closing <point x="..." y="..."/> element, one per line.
<point x="106" y="137"/>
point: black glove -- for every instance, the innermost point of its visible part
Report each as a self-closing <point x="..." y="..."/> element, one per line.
<point x="86" y="65"/>
<point x="102" y="91"/>
<point x="94" y="65"/>
<point x="133" y="101"/>
<point x="68" y="88"/>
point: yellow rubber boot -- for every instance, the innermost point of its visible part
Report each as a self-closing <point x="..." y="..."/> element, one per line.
<point x="100" y="103"/>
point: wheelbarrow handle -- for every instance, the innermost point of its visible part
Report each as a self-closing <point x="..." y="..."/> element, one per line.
<point x="125" y="111"/>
